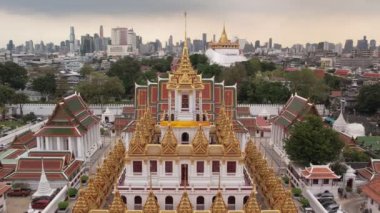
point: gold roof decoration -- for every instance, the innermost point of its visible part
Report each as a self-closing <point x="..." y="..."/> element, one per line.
<point x="151" y="205"/>
<point x="169" y="142"/>
<point x="185" y="205"/>
<point x="223" y="38"/>
<point x="117" y="205"/>
<point x="218" y="206"/>
<point x="289" y="206"/>
<point x="81" y="205"/>
<point x="231" y="143"/>
<point x="223" y="42"/>
<point x="200" y="142"/>
<point x="92" y="195"/>
<point x="137" y="143"/>
<point x="251" y="206"/>
<point x="185" y="77"/>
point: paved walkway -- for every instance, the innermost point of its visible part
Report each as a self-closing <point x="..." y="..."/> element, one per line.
<point x="18" y="204"/>
<point x="352" y="205"/>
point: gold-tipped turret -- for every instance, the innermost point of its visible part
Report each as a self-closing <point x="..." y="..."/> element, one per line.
<point x="223" y="38"/>
<point x="81" y="205"/>
<point x="251" y="206"/>
<point x="223" y="42"/>
<point x="218" y="206"/>
<point x="151" y="205"/>
<point x="117" y="205"/>
<point x="185" y="205"/>
<point x="169" y="142"/>
<point x="200" y="142"/>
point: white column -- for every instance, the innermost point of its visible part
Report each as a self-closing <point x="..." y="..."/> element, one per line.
<point x="60" y="143"/>
<point x="170" y="104"/>
<point x="79" y="146"/>
<point x="200" y="105"/>
<point x="71" y="146"/>
<point x="39" y="143"/>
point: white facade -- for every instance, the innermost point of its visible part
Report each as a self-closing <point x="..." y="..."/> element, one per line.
<point x="82" y="147"/>
<point x="119" y="50"/>
<point x="224" y="57"/>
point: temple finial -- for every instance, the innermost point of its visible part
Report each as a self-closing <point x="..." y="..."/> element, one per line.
<point x="185" y="29"/>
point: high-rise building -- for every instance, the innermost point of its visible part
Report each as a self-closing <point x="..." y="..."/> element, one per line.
<point x="131" y="40"/>
<point x="338" y="48"/>
<point x="119" y="36"/>
<point x="29" y="47"/>
<point x="372" y="44"/>
<point x="10" y="46"/>
<point x="270" y="43"/>
<point x="72" y="40"/>
<point x="101" y="31"/>
<point x="87" y="44"/>
<point x="170" y="44"/>
<point x="97" y="43"/>
<point x="204" y="40"/>
<point x="348" y="46"/>
<point x="197" y="45"/>
<point x="362" y="44"/>
<point x="257" y="44"/>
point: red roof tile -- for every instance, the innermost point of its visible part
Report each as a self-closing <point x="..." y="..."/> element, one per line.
<point x="342" y="72"/>
<point x="319" y="172"/>
<point x="66" y="154"/>
<point x="35" y="176"/>
<point x="243" y="111"/>
<point x="72" y="168"/>
<point x="121" y="123"/>
<point x="4" y="188"/>
<point x="128" y="110"/>
<point x="5" y="172"/>
<point x="372" y="189"/>
<point x="371" y="75"/>
<point x="15" y="154"/>
<point x="291" y="69"/>
<point x="249" y="123"/>
<point x="24" y="140"/>
<point x="34" y="164"/>
<point x="348" y="141"/>
<point x="319" y="73"/>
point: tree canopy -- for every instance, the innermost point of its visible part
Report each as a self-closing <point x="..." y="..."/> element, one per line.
<point x="13" y="75"/>
<point x="99" y="88"/>
<point x="46" y="84"/>
<point x="86" y="70"/>
<point x="311" y="142"/>
<point x="369" y="99"/>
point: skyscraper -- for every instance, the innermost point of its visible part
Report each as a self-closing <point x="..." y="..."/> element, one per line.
<point x="204" y="41"/>
<point x="270" y="43"/>
<point x="29" y="47"/>
<point x="372" y="44"/>
<point x="72" y="40"/>
<point x="170" y="44"/>
<point x="348" y="46"/>
<point x="119" y="36"/>
<point x="362" y="44"/>
<point x="87" y="44"/>
<point x="101" y="31"/>
<point x="10" y="46"/>
<point x="257" y="44"/>
<point x="131" y="40"/>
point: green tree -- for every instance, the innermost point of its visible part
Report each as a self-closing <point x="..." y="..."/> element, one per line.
<point x="270" y="92"/>
<point x="209" y="71"/>
<point x="369" y="99"/>
<point x="333" y="82"/>
<point x="86" y="70"/>
<point x="352" y="155"/>
<point x="128" y="71"/>
<point x="311" y="142"/>
<point x="339" y="168"/>
<point x="20" y="99"/>
<point x="198" y="60"/>
<point x="99" y="88"/>
<point x="13" y="75"/>
<point x="307" y="85"/>
<point x="6" y="94"/>
<point x="46" y="85"/>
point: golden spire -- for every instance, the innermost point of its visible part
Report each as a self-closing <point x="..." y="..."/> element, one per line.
<point x="185" y="77"/>
<point x="169" y="142"/>
<point x="223" y="38"/>
<point x="185" y="205"/>
<point x="200" y="142"/>
<point x="151" y="205"/>
<point x="289" y="206"/>
<point x="251" y="206"/>
<point x="81" y="205"/>
<point x="117" y="205"/>
<point x="218" y="206"/>
<point x="231" y="143"/>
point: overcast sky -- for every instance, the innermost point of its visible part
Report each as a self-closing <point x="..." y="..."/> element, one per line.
<point x="286" y="21"/>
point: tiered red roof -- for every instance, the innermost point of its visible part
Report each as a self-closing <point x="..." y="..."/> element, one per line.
<point x="248" y="123"/>
<point x="57" y="165"/>
<point x="121" y="123"/>
<point x="71" y="118"/>
<point x="26" y="140"/>
<point x="4" y="188"/>
<point x="291" y="69"/>
<point x="371" y="75"/>
<point x="342" y="72"/>
<point x="372" y="189"/>
<point x="128" y="110"/>
<point x="262" y="124"/>
<point x="348" y="141"/>
<point x="372" y="171"/>
<point x="319" y="172"/>
<point x="294" y="110"/>
<point x="5" y="170"/>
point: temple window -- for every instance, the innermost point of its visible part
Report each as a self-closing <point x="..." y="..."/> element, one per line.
<point x="138" y="203"/>
<point x="200" y="203"/>
<point x="231" y="203"/>
<point x="245" y="199"/>
<point x="137" y="167"/>
<point x="185" y="102"/>
<point x="326" y="181"/>
<point x="215" y="167"/>
<point x="200" y="167"/>
<point x="153" y="166"/>
<point x="315" y="181"/>
<point x="185" y="138"/>
<point x="231" y="167"/>
<point x="66" y="144"/>
<point x="168" y="167"/>
<point x="169" y="203"/>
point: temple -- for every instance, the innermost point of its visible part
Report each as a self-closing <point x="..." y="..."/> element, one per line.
<point x="224" y="52"/>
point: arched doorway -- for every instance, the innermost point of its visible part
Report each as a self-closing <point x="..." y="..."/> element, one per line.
<point x="231" y="203"/>
<point x="245" y="199"/>
<point x="185" y="138"/>
<point x="124" y="199"/>
<point x="200" y="203"/>
<point x="169" y="203"/>
<point x="138" y="203"/>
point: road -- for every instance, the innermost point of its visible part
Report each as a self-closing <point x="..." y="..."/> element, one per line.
<point x="273" y="159"/>
<point x="352" y="205"/>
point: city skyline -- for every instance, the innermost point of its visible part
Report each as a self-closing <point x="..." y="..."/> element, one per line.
<point x="292" y="21"/>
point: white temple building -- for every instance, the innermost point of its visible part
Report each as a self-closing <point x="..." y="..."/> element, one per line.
<point x="224" y="53"/>
<point x="352" y="130"/>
